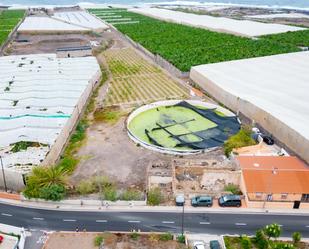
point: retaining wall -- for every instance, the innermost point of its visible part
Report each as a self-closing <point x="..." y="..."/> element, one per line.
<point x="288" y="136"/>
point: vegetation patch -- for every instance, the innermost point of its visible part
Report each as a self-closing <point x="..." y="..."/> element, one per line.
<point x="185" y="46"/>
<point x="10" y="19"/>
<point x="265" y="238"/>
<point x="154" y="197"/>
<point x="24" y="145"/>
<point x="108" y="114"/>
<point x="241" y="139"/>
<point x="297" y="38"/>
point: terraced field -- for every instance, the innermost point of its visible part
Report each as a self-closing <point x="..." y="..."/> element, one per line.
<point x="136" y="81"/>
<point x="8" y="20"/>
<point x="185" y="46"/>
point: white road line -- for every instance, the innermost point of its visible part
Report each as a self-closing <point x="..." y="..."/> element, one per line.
<point x="37" y="218"/>
<point x="205" y="223"/>
<point x="9" y="215"/>
<point x="307" y="226"/>
<point x="240" y="224"/>
<point x="68" y="220"/>
<point x="134" y="221"/>
<point x="168" y="222"/>
<point x="102" y="221"/>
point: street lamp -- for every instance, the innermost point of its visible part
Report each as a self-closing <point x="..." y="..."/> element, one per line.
<point x="3" y="175"/>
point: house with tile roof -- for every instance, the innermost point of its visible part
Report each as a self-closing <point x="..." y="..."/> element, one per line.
<point x="274" y="181"/>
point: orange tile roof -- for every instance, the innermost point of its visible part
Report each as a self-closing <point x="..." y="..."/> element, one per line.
<point x="274" y="174"/>
<point x="270" y="162"/>
<point x="265" y="181"/>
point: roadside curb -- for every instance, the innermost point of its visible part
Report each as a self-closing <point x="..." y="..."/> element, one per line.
<point x="173" y="209"/>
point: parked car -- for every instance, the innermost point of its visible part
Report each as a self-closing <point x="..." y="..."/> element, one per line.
<point x="229" y="201"/>
<point x="201" y="201"/>
<point x="198" y="245"/>
<point x="214" y="244"/>
<point x="268" y="140"/>
<point x="180" y="200"/>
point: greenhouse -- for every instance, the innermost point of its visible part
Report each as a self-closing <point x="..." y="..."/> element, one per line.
<point x="272" y="91"/>
<point x="41" y="97"/>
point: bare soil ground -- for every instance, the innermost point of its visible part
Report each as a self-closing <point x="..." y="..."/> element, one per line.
<point x="41" y="43"/>
<point x="83" y="240"/>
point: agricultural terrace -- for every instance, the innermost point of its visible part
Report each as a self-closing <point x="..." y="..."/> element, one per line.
<point x="137" y="81"/>
<point x="8" y="20"/>
<point x="298" y="38"/>
<point x="186" y="46"/>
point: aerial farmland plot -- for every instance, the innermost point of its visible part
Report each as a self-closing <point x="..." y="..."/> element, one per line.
<point x="8" y="20"/>
<point x="136" y="81"/>
<point x="186" y="46"/>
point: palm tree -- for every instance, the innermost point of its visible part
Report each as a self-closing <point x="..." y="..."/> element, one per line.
<point x="47" y="176"/>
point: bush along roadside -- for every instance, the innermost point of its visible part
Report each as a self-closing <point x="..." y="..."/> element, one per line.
<point x="50" y="182"/>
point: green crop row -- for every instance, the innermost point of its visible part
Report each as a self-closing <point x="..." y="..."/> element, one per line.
<point x="8" y="20"/>
<point x="298" y="38"/>
<point x="186" y="46"/>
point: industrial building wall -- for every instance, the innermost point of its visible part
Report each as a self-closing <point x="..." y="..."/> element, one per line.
<point x="288" y="136"/>
<point x="62" y="139"/>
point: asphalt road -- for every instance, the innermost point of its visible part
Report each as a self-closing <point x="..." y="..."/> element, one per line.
<point x="211" y="223"/>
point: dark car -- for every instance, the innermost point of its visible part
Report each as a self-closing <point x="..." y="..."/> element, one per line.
<point x="214" y="244"/>
<point x="201" y="201"/>
<point x="229" y="201"/>
<point x="268" y="140"/>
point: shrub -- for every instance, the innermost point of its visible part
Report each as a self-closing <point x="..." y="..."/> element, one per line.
<point x="234" y="189"/>
<point x="282" y="245"/>
<point x="273" y="230"/>
<point x="296" y="238"/>
<point x="44" y="178"/>
<point x="154" y="237"/>
<point x="86" y="187"/>
<point x="135" y="236"/>
<point x="166" y="237"/>
<point x="181" y="239"/>
<point x="98" y="240"/>
<point x="245" y="242"/>
<point x="241" y="139"/>
<point x="131" y="195"/>
<point x="261" y="240"/>
<point x="154" y="197"/>
<point x="54" y="192"/>
<point x="110" y="193"/>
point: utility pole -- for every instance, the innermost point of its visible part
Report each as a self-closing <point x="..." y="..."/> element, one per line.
<point x="3" y="175"/>
<point x="182" y="219"/>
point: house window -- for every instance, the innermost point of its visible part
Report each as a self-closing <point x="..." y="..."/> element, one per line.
<point x="284" y="196"/>
<point x="258" y="195"/>
<point x="305" y="198"/>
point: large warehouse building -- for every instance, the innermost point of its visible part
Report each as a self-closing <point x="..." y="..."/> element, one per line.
<point x="41" y="99"/>
<point x="273" y="91"/>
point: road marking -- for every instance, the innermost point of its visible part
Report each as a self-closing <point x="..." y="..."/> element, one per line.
<point x="307" y="226"/>
<point x="68" y="220"/>
<point x="240" y="224"/>
<point x="168" y="222"/>
<point x="9" y="215"/>
<point x="102" y="221"/>
<point x="134" y="221"/>
<point x="205" y="223"/>
<point x="36" y="218"/>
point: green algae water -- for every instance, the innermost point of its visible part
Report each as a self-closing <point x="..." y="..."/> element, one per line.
<point x="177" y="120"/>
